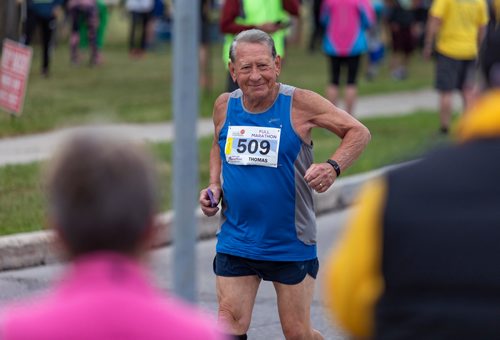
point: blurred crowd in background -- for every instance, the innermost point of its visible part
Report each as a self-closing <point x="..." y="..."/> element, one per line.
<point x="351" y="34"/>
<point x="400" y="25"/>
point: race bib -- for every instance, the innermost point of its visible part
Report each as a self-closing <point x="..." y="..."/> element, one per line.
<point x="253" y="145"/>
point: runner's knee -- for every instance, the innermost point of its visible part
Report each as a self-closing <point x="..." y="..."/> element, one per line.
<point x="235" y="321"/>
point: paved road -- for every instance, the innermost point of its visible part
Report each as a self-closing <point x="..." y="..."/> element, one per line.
<point x="265" y="324"/>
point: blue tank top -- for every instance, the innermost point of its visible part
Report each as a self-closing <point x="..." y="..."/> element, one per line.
<point x="267" y="211"/>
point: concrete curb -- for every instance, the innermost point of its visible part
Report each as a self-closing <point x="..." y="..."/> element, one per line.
<point x="39" y="248"/>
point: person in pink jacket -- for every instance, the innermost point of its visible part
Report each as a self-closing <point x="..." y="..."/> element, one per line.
<point x="344" y="42"/>
<point x="102" y="201"/>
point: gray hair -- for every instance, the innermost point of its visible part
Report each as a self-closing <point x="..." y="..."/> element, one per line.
<point x="101" y="194"/>
<point x="252" y="36"/>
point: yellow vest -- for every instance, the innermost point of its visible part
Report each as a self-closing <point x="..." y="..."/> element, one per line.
<point x="258" y="12"/>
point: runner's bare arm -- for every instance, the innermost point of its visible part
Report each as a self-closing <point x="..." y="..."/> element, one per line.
<point x="311" y="110"/>
<point x="219" y="117"/>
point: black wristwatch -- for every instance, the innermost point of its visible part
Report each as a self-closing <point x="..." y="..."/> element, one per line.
<point x="335" y="166"/>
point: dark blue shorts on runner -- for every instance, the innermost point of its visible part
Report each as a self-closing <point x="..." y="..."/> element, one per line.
<point x="286" y="272"/>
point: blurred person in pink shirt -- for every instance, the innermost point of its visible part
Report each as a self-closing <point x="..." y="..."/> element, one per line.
<point x="102" y="201"/>
<point x="344" y="42"/>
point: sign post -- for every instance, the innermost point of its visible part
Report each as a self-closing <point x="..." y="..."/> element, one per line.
<point x="14" y="72"/>
<point x="185" y="174"/>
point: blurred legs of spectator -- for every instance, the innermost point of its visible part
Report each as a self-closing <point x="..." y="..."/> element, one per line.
<point x="420" y="15"/>
<point x="90" y="16"/>
<point x="48" y="26"/>
<point x="351" y="90"/>
<point x="445" y="110"/>
<point x="375" y="59"/>
<point x="350" y="96"/>
<point x="317" y="28"/>
<point x="205" y="74"/>
<point x="401" y="23"/>
<point x="102" y="12"/>
<point x="157" y="13"/>
<point x="376" y="46"/>
<point x="151" y="32"/>
<point x="138" y="19"/>
<point x="403" y="44"/>
<point x="376" y="52"/>
<point x="204" y="52"/>
<point x="452" y="74"/>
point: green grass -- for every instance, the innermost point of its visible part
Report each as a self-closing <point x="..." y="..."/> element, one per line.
<point x="125" y="90"/>
<point x="21" y="201"/>
<point x="394" y="139"/>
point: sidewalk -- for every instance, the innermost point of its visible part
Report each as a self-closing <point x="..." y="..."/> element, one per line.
<point x="26" y="149"/>
<point x="37" y="248"/>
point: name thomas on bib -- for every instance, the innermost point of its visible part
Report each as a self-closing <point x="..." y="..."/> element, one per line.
<point x="252" y="145"/>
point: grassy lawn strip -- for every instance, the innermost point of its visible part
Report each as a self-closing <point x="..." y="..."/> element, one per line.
<point x="394" y="139"/>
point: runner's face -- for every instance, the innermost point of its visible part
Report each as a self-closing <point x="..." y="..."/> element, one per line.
<point x="255" y="70"/>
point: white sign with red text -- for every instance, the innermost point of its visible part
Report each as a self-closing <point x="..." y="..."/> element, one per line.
<point x="14" y="72"/>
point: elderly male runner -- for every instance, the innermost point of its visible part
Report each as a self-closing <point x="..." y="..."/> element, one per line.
<point x="262" y="147"/>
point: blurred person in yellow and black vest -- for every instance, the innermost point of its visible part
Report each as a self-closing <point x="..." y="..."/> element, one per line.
<point x="419" y="257"/>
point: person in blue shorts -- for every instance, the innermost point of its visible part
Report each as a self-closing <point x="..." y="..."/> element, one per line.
<point x="262" y="170"/>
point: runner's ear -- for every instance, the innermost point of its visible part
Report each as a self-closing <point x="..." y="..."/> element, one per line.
<point x="277" y="65"/>
<point x="232" y="70"/>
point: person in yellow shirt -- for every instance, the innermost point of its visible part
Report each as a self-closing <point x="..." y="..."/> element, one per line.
<point x="455" y="29"/>
<point x="419" y="256"/>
